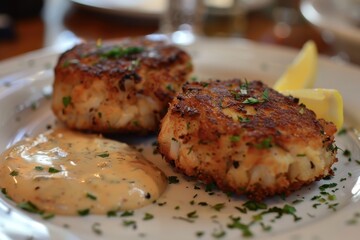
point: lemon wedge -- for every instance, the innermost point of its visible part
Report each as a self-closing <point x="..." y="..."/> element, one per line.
<point x="302" y="71"/>
<point x="326" y="103"/>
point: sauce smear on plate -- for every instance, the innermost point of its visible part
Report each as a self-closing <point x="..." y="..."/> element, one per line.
<point x="65" y="172"/>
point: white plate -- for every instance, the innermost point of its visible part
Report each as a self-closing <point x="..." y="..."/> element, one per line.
<point x="138" y="8"/>
<point x="25" y="111"/>
<point x="339" y="20"/>
<point x="147" y="8"/>
<point x="342" y="17"/>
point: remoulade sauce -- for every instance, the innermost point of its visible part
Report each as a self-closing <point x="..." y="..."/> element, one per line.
<point x="63" y="172"/>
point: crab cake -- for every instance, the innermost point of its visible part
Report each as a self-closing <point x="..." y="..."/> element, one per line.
<point x="122" y="86"/>
<point x="246" y="137"/>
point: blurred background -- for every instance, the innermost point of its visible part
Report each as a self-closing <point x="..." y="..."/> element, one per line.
<point x="27" y="25"/>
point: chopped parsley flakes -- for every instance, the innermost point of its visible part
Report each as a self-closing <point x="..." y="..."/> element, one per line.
<point x="127" y="214"/>
<point x="29" y="207"/>
<point x="326" y="186"/>
<point x="192" y="214"/>
<point x="218" y="206"/>
<point x="148" y="216"/>
<point x="103" y="155"/>
<point x="14" y="173"/>
<point x="265" y="95"/>
<point x="243" y="120"/>
<point x="254" y="206"/>
<point x="83" y="212"/>
<point x="66" y="101"/>
<point x="173" y="179"/>
<point x="53" y="170"/>
<point x="234" y="138"/>
<point x="199" y="233"/>
<point x="111" y="213"/>
<point x="32" y="208"/>
<point x="118" y="52"/>
<point x="39" y="168"/>
<point x="264" y="144"/>
<point x="130" y="223"/>
<point x="237" y="224"/>
<point x="342" y="131"/>
<point x="91" y="196"/>
<point x="251" y="100"/>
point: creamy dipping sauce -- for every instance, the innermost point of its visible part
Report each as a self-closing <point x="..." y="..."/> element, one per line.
<point x="63" y="172"/>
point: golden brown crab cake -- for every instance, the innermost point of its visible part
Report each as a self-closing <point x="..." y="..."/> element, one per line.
<point x="122" y="86"/>
<point x="246" y="137"/>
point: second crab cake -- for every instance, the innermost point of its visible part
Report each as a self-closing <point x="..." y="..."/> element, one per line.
<point x="246" y="137"/>
<point x="122" y="86"/>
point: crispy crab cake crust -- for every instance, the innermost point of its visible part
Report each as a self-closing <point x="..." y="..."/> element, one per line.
<point x="246" y="137"/>
<point x="118" y="86"/>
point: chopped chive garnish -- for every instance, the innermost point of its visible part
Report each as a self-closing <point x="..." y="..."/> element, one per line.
<point x="251" y="100"/>
<point x="192" y="214"/>
<point x="91" y="196"/>
<point x="218" y="206"/>
<point x="14" y="173"/>
<point x="203" y="204"/>
<point x="326" y="186"/>
<point x="83" y="212"/>
<point x="210" y="187"/>
<point x="127" y="214"/>
<point x="253" y="205"/>
<point x="199" y="233"/>
<point x="190" y="150"/>
<point x="170" y="87"/>
<point x="3" y="191"/>
<point x="129" y="223"/>
<point x="111" y="213"/>
<point x="103" y="155"/>
<point x="244" y="228"/>
<point x="347" y="153"/>
<point x="342" y="131"/>
<point x="242" y="210"/>
<point x="66" y="101"/>
<point x="236" y="95"/>
<point x="297" y="201"/>
<point x="47" y="216"/>
<point x="162" y="204"/>
<point x="118" y="52"/>
<point x="29" y="206"/>
<point x="193" y="78"/>
<point x="234" y="138"/>
<point x="331" y="197"/>
<point x="204" y="84"/>
<point x="148" y="216"/>
<point x="265" y="95"/>
<point x="173" y="179"/>
<point x="243" y="120"/>
<point x="53" y="170"/>
<point x="136" y="123"/>
<point x="38" y="168"/>
<point x="264" y="144"/>
<point x="244" y="86"/>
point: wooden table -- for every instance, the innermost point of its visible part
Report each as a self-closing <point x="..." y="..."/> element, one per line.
<point x="61" y="17"/>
